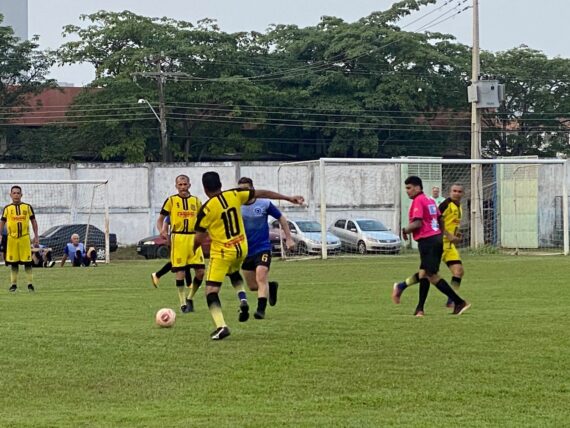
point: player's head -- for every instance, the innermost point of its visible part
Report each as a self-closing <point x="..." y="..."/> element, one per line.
<point x="245" y="183"/>
<point x="435" y="191"/>
<point x="16" y="194"/>
<point x="456" y="192"/>
<point x="182" y="184"/>
<point x="414" y="186"/>
<point x="211" y="182"/>
<point x="75" y="239"/>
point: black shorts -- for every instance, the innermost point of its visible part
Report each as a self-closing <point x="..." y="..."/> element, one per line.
<point x="431" y="250"/>
<point x="259" y="259"/>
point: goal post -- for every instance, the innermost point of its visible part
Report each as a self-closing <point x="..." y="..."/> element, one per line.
<point x="524" y="201"/>
<point x="65" y="207"/>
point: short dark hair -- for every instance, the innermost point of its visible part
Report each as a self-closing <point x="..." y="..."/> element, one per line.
<point x="16" y="187"/>
<point x="246" y="180"/>
<point x="182" y="176"/>
<point x="211" y="181"/>
<point x="414" y="180"/>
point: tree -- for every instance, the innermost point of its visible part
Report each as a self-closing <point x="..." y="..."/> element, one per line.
<point x="23" y="71"/>
<point x="535" y="116"/>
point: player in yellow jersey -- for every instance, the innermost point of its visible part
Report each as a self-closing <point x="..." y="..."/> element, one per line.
<point x="182" y="210"/>
<point x="17" y="218"/>
<point x="451" y="213"/>
<point x="221" y="217"/>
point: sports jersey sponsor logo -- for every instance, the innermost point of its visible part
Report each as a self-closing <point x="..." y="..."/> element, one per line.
<point x="432" y="209"/>
<point x="185" y="214"/>
<point x="19" y="218"/>
<point x="234" y="241"/>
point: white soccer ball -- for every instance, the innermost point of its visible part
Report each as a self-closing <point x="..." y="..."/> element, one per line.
<point x="165" y="317"/>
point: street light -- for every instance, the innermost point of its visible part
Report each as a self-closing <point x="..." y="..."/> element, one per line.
<point x="143" y="101"/>
<point x="163" y="134"/>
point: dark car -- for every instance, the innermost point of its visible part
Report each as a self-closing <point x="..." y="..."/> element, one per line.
<point x="57" y="237"/>
<point x="156" y="247"/>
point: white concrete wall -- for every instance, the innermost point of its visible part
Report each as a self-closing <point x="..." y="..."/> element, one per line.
<point x="136" y="192"/>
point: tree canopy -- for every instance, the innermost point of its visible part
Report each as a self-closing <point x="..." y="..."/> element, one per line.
<point x="369" y="88"/>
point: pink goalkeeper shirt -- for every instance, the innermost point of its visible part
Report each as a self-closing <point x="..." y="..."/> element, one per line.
<point x="425" y="209"/>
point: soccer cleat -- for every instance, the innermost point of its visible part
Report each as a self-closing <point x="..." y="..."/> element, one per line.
<point x="220" y="333"/>
<point x="13" y="288"/>
<point x="31" y="288"/>
<point x="185" y="309"/>
<point x="259" y="315"/>
<point x="243" y="311"/>
<point x="419" y="314"/>
<point x="273" y="286"/>
<point x="396" y="293"/>
<point x="155" y="279"/>
<point x="189" y="305"/>
<point x="51" y="264"/>
<point x="461" y="308"/>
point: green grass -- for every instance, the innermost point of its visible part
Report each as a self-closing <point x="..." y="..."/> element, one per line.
<point x="84" y="350"/>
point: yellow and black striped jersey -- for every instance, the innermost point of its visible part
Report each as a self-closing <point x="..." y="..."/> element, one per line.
<point x="182" y="211"/>
<point x="221" y="217"/>
<point x="451" y="214"/>
<point x="17" y="218"/>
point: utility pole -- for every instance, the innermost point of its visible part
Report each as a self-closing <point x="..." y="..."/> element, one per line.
<point x="161" y="78"/>
<point x="162" y="111"/>
<point x="476" y="217"/>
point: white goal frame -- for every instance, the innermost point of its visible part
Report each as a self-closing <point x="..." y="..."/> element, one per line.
<point x="104" y="183"/>
<point x="476" y="195"/>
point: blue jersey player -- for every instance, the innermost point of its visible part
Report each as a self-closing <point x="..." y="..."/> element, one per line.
<point x="256" y="265"/>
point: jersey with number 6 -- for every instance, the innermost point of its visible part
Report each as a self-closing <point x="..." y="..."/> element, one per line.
<point x="221" y="217"/>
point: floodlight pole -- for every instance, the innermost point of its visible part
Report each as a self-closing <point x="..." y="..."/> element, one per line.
<point x="476" y="215"/>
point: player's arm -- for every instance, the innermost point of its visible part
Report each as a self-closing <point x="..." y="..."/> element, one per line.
<point x="288" y="238"/>
<point x="201" y="229"/>
<point x="268" y="194"/>
<point x="414" y="225"/>
<point x="274" y="212"/>
<point x="200" y="239"/>
<point x="36" y="240"/>
<point x="162" y="226"/>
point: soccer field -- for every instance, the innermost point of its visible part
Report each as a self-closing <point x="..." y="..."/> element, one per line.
<point x="84" y="350"/>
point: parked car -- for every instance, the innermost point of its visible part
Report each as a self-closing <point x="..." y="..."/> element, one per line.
<point x="364" y="235"/>
<point x="275" y="238"/>
<point x="307" y="236"/>
<point x="156" y="247"/>
<point x="57" y="237"/>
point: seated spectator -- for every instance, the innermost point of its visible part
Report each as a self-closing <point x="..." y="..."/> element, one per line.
<point x="77" y="255"/>
<point x="42" y="257"/>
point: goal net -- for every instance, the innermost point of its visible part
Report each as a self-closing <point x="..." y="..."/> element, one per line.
<point x="66" y="207"/>
<point x="358" y="206"/>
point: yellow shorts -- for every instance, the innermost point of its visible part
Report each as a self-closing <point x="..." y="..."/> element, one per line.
<point x="450" y="253"/>
<point x="19" y="250"/>
<point x="182" y="252"/>
<point x="224" y="263"/>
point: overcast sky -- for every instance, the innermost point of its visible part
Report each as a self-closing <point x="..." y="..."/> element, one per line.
<point x="504" y="23"/>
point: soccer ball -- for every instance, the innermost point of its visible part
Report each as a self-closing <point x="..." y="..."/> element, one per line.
<point x="165" y="317"/>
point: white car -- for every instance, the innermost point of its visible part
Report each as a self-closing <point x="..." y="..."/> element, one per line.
<point x="307" y="236"/>
<point x="365" y="235"/>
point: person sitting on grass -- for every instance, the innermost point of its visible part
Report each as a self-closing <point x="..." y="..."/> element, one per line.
<point x="77" y="255"/>
<point x="42" y="257"/>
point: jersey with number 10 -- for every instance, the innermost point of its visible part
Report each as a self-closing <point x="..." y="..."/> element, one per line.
<point x="221" y="217"/>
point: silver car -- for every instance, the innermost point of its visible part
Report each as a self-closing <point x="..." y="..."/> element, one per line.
<point x="307" y="236"/>
<point x="365" y="235"/>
